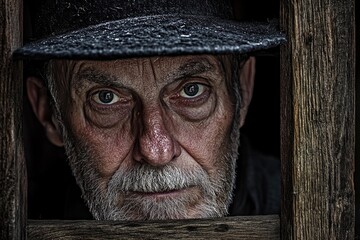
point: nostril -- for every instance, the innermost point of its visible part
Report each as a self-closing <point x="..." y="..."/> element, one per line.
<point x="156" y="146"/>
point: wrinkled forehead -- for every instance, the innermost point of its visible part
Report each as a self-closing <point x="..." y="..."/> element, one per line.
<point x="68" y="72"/>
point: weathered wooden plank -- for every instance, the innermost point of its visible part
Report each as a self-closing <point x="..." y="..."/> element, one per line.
<point x="12" y="167"/>
<point x="318" y="122"/>
<point x="257" y="227"/>
<point x="357" y="125"/>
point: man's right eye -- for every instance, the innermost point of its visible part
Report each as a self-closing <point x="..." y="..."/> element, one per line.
<point x="105" y="97"/>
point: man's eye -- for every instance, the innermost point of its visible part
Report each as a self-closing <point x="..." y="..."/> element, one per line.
<point x="105" y="97"/>
<point x="192" y="90"/>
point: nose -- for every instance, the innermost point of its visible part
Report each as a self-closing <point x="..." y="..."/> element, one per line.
<point x="156" y="145"/>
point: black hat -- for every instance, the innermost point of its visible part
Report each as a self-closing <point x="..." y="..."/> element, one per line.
<point x="110" y="29"/>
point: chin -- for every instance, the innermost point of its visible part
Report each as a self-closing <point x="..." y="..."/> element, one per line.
<point x="182" y="204"/>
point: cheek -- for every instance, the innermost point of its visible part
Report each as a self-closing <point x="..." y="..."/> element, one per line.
<point x="110" y="147"/>
<point x="205" y="142"/>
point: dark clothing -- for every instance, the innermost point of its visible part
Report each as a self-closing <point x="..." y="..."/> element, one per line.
<point x="257" y="189"/>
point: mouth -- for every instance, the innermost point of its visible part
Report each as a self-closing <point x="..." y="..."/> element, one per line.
<point x="163" y="194"/>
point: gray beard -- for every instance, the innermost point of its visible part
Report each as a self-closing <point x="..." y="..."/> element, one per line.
<point x="118" y="200"/>
<point x="144" y="179"/>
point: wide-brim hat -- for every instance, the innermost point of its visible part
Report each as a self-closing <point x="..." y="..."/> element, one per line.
<point x="112" y="29"/>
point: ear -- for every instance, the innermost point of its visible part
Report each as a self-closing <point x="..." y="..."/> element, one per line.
<point x="247" y="75"/>
<point x="38" y="97"/>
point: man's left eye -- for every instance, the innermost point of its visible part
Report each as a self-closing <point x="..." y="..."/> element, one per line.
<point x="192" y="90"/>
<point x="105" y="97"/>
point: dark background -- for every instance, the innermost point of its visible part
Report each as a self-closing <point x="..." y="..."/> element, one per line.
<point x="262" y="124"/>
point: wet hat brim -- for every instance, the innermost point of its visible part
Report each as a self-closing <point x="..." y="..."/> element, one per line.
<point x="154" y="36"/>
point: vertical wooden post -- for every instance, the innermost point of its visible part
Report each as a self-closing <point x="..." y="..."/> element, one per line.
<point x="12" y="164"/>
<point x="318" y="119"/>
<point x="357" y="125"/>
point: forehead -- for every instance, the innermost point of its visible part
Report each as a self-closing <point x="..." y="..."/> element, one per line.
<point x="161" y="68"/>
<point x="161" y="62"/>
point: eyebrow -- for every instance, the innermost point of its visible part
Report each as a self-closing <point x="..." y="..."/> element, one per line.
<point x="91" y="74"/>
<point x="191" y="68"/>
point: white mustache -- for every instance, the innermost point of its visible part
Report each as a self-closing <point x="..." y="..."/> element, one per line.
<point x="148" y="179"/>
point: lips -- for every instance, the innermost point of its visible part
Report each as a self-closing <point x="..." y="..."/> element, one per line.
<point x="169" y="193"/>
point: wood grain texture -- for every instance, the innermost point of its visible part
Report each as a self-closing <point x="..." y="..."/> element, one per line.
<point x="318" y="119"/>
<point x="257" y="227"/>
<point x="357" y="125"/>
<point x="12" y="169"/>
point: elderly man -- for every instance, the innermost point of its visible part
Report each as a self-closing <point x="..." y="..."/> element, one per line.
<point x="147" y="98"/>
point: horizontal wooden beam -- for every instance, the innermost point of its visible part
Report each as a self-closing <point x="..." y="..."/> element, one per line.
<point x="254" y="227"/>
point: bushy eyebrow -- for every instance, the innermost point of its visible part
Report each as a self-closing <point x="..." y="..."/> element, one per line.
<point x="93" y="75"/>
<point x="192" y="68"/>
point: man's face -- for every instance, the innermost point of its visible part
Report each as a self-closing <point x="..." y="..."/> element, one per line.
<point x="149" y="138"/>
